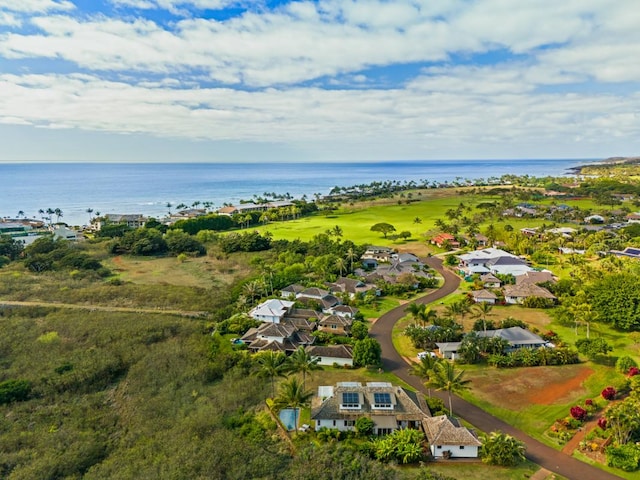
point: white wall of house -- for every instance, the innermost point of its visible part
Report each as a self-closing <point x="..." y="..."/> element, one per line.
<point x="513" y="300"/>
<point x="457" y="451"/>
<point x="342" y="425"/>
<point x="331" y="360"/>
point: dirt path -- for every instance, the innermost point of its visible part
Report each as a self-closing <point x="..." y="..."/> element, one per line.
<point x="537" y="452"/>
<point x="99" y="308"/>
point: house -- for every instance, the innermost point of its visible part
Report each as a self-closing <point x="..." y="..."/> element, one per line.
<point x="594" y="219"/>
<point x="335" y="324"/>
<point x="343" y="311"/>
<point x="272" y="310"/>
<point x="445" y="434"/>
<point x="389" y="407"/>
<point x="517" y="337"/>
<point x="378" y="254"/>
<point x="448" y="350"/>
<point x="507" y="265"/>
<point x="489" y="280"/>
<point x="633" y="217"/>
<point x="63" y="232"/>
<point x="291" y="291"/>
<point x="332" y="354"/>
<point x="534" y="276"/>
<point x="351" y="286"/>
<point x="484" y="296"/>
<point x="241" y="209"/>
<point x="514" y="294"/>
<point x="491" y="260"/>
<point x="627" y="252"/>
<point x="280" y="337"/>
<point x="443" y="239"/>
<point x="134" y="220"/>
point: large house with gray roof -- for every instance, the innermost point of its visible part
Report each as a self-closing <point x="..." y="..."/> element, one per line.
<point x="389" y="407"/>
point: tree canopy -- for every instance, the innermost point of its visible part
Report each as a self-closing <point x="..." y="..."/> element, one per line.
<point x="383" y="228"/>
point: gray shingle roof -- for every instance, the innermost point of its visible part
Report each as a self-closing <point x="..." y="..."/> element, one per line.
<point x="442" y="430"/>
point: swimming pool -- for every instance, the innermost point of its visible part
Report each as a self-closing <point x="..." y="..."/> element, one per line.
<point x="288" y="417"/>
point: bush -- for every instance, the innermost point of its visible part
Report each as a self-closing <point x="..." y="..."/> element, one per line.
<point x="609" y="393"/>
<point x="602" y="423"/>
<point x="633" y="371"/>
<point x="14" y="391"/>
<point x="625" y="457"/>
<point x="578" y="413"/>
<point x="625" y="363"/>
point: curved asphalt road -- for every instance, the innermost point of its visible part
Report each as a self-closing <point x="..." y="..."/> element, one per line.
<point x="537" y="452"/>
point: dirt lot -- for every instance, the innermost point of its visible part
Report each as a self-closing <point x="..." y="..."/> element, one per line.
<point x="516" y="388"/>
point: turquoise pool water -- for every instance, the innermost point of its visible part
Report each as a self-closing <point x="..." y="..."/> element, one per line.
<point x="288" y="417"/>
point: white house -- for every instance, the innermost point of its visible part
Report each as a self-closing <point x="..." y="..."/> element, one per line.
<point x="447" y="438"/>
<point x="272" y="310"/>
<point x="332" y="354"/>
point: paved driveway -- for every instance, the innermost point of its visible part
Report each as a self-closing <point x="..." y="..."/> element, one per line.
<point x="537" y="452"/>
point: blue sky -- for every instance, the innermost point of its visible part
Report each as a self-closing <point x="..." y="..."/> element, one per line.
<point x="323" y="80"/>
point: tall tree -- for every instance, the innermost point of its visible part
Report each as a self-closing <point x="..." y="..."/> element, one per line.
<point x="301" y="362"/>
<point x="270" y="364"/>
<point x="482" y="310"/>
<point x="383" y="228"/>
<point x="447" y="378"/>
<point x="292" y="394"/>
<point x="424" y="370"/>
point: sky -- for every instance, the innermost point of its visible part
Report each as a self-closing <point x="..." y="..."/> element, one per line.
<point x="323" y="80"/>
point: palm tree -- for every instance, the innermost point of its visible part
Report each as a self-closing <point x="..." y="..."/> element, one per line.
<point x="301" y="362"/>
<point x="58" y="214"/>
<point x="482" y="310"/>
<point x="89" y="211"/>
<point x="341" y="265"/>
<point x="350" y="256"/>
<point x="502" y="449"/>
<point x="445" y="377"/>
<point x="424" y="369"/>
<point x="21" y="214"/>
<point x="270" y="364"/>
<point x="293" y="395"/>
<point x="415" y="309"/>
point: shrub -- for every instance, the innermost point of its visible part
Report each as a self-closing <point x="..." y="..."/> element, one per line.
<point x="602" y="423"/>
<point x="14" y="391"/>
<point x="625" y="457"/>
<point x="624" y="364"/>
<point x="633" y="371"/>
<point x="608" y="393"/>
<point x="578" y="413"/>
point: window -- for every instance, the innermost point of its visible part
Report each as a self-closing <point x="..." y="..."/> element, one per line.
<point x="439" y="447"/>
<point x="334" y="423"/>
<point x="334" y="326"/>
<point x="350" y="400"/>
<point x="382" y="400"/>
<point x="461" y="447"/>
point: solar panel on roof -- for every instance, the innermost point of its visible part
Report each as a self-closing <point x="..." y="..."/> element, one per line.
<point x="349" y="397"/>
<point x="633" y="251"/>
<point x="382" y="398"/>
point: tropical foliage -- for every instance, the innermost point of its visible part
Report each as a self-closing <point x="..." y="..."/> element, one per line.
<point x="498" y="448"/>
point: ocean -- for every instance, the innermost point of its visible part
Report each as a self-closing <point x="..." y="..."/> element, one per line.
<point x="147" y="188"/>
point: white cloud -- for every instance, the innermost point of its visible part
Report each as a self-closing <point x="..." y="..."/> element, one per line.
<point x="9" y="20"/>
<point x="35" y="6"/>
<point x="174" y="5"/>
<point x="381" y="120"/>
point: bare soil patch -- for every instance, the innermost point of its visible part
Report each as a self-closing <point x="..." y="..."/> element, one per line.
<point x="520" y="387"/>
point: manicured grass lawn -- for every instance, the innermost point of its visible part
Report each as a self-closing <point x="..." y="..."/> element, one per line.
<point x="381" y="306"/>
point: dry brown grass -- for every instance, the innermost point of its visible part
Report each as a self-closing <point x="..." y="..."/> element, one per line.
<point x="203" y="272"/>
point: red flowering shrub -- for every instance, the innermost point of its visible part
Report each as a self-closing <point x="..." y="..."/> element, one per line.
<point x="608" y="393"/>
<point x="578" y="413"/>
<point x="588" y="402"/>
<point x="602" y="423"/>
<point x="633" y="371"/>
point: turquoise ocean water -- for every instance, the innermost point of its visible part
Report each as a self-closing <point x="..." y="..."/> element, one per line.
<point x="146" y="188"/>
